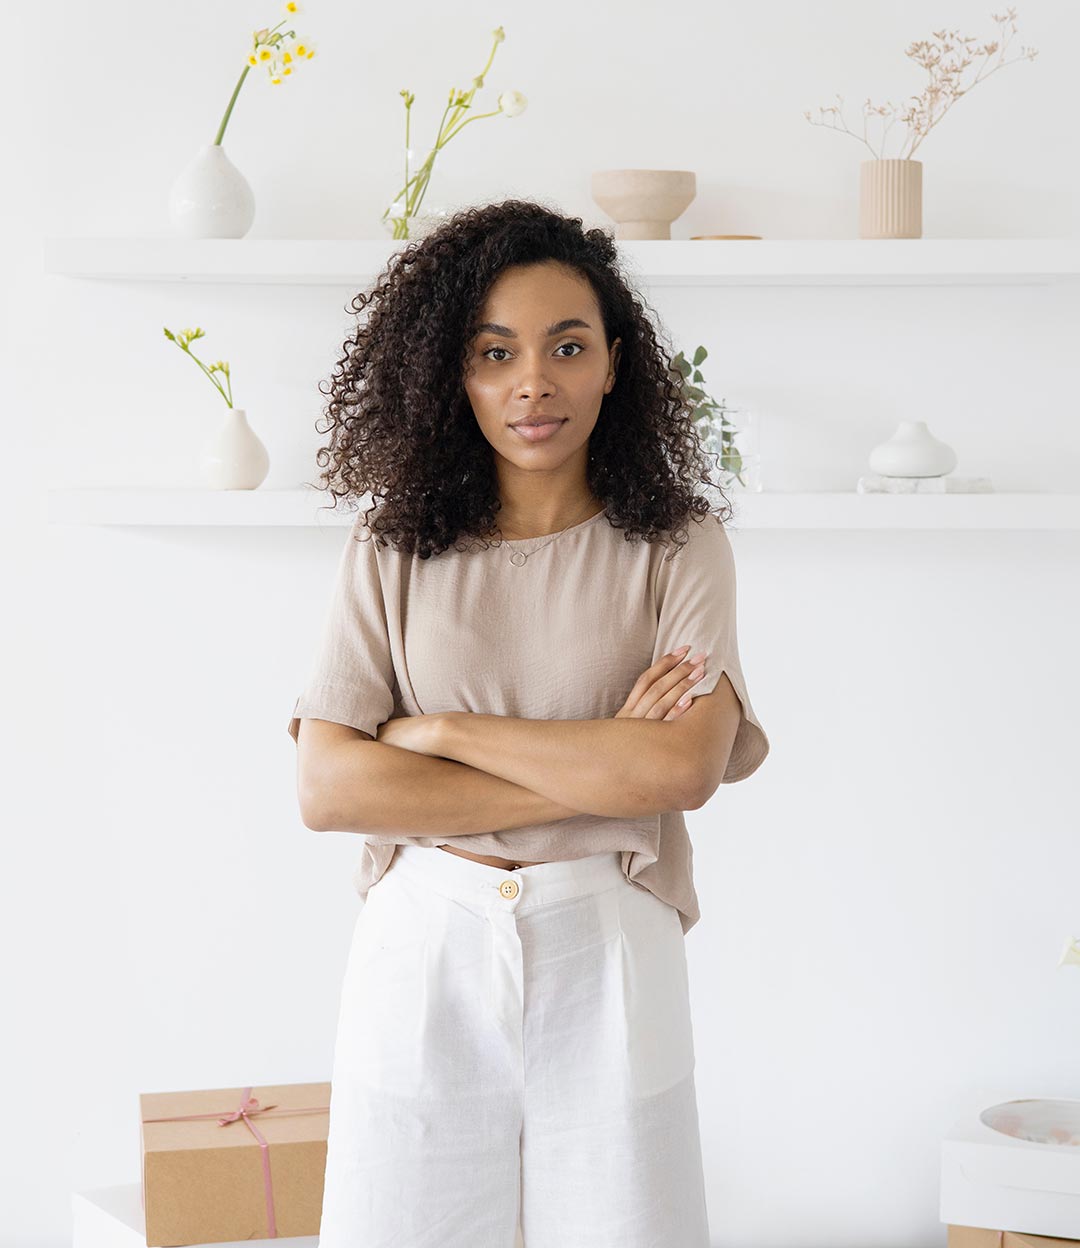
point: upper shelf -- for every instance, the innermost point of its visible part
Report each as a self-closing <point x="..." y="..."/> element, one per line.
<point x="675" y="262"/>
<point x="308" y="507"/>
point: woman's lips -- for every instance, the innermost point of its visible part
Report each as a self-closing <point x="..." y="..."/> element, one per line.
<point x="539" y="433"/>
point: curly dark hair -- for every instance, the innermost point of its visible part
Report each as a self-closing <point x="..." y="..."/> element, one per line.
<point x="401" y="424"/>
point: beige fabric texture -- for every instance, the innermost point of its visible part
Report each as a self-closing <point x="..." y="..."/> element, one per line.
<point x="563" y="636"/>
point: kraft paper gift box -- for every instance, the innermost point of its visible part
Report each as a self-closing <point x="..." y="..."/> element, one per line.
<point x="979" y="1237"/>
<point x="225" y="1164"/>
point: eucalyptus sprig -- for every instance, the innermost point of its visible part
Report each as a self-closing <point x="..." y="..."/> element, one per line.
<point x="719" y="430"/>
<point x="406" y="202"/>
<point x="183" y="339"/>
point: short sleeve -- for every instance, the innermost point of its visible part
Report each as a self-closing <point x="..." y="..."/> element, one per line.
<point x="351" y="680"/>
<point x="695" y="600"/>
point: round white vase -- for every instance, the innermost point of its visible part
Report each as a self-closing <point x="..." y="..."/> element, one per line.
<point x="235" y="457"/>
<point x="912" y="451"/>
<point x="211" y="198"/>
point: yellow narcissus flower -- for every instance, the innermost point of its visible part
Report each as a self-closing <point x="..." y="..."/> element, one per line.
<point x="292" y="7"/>
<point x="512" y="103"/>
<point x="271" y="48"/>
<point x="304" y="50"/>
<point x="1071" y="954"/>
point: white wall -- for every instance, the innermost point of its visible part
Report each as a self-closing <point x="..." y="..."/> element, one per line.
<point x="883" y="903"/>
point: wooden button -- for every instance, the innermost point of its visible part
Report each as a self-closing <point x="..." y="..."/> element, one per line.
<point x="509" y="888"/>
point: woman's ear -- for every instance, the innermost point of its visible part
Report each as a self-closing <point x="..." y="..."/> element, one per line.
<point x="614" y="363"/>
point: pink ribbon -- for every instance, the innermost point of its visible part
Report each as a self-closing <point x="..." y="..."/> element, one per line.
<point x="248" y="1108"/>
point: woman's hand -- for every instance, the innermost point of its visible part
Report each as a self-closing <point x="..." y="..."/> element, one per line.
<point x="659" y="688"/>
<point x="655" y="696"/>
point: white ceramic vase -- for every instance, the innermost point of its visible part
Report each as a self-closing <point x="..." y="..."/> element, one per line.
<point x="211" y="198"/>
<point x="235" y="457"/>
<point x="912" y="451"/>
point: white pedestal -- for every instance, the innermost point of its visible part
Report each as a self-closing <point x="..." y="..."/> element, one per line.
<point x="995" y="1180"/>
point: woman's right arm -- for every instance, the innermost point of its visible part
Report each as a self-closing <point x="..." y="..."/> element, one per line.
<point x="348" y="782"/>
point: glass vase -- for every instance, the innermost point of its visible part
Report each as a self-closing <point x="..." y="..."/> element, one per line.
<point x="730" y="434"/>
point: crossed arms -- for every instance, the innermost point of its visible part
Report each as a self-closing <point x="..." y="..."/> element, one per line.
<point x="460" y="773"/>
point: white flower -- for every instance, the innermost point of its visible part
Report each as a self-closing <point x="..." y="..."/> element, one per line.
<point x="1070" y="955"/>
<point x="512" y="103"/>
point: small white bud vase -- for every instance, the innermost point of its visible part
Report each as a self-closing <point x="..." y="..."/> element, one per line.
<point x="890" y="199"/>
<point x="211" y="198"/>
<point x="235" y="457"/>
<point x="912" y="451"/>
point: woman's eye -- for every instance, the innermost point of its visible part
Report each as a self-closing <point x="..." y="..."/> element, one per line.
<point x="559" y="348"/>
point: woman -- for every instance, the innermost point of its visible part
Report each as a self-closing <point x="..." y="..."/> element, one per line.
<point x="514" y="1049"/>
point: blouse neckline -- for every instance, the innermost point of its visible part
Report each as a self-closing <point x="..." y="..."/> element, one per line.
<point x="549" y="537"/>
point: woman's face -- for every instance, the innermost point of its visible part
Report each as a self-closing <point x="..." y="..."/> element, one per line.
<point x="539" y="353"/>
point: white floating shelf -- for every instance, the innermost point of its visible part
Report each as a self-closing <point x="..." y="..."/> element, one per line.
<point x="301" y="507"/>
<point x="675" y="262"/>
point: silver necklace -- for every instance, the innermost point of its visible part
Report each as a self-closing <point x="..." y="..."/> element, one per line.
<point x="519" y="556"/>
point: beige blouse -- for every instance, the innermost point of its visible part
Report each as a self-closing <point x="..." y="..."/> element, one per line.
<point x="563" y="635"/>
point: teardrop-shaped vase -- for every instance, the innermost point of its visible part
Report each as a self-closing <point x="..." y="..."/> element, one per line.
<point x="235" y="457"/>
<point x="211" y="198"/>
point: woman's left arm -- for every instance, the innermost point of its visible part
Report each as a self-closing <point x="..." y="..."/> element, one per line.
<point x="622" y="768"/>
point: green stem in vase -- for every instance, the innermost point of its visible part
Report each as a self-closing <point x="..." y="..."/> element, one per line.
<point x="228" y="112"/>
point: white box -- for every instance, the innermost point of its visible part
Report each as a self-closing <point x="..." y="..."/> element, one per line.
<point x="995" y="1177"/>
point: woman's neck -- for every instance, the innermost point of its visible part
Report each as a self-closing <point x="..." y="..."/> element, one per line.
<point x="522" y="526"/>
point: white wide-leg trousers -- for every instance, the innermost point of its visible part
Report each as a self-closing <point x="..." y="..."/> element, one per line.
<point x="514" y="1063"/>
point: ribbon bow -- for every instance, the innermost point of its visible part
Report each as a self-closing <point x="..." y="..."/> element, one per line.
<point x="249" y="1106"/>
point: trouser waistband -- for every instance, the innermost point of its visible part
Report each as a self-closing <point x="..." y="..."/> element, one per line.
<point x="463" y="879"/>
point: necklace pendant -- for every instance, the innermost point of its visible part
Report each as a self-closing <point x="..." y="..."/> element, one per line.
<point x="518" y="558"/>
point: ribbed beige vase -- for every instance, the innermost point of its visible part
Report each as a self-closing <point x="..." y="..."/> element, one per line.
<point x="890" y="199"/>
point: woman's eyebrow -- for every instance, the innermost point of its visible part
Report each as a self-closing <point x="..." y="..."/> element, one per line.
<point x="504" y="331"/>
